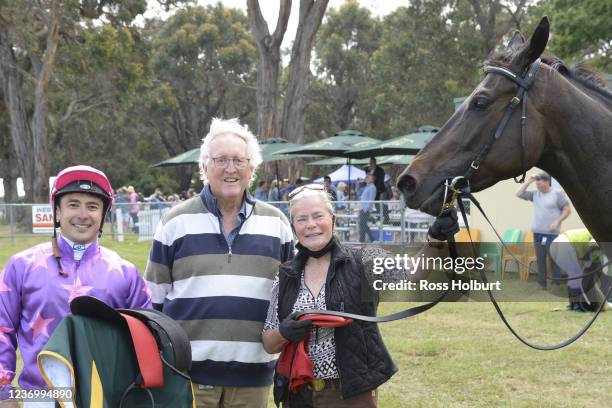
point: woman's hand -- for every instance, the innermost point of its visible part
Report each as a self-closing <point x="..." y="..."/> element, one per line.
<point x="295" y="330"/>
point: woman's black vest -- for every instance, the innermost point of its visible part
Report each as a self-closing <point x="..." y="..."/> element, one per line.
<point x="361" y="356"/>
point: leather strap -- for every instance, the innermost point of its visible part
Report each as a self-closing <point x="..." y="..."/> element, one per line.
<point x="147" y="353"/>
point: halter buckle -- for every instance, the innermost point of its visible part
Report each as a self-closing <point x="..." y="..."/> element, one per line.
<point x="474" y="165"/>
<point x="516" y="100"/>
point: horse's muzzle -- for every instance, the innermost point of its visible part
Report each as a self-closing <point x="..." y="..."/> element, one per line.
<point x="407" y="184"/>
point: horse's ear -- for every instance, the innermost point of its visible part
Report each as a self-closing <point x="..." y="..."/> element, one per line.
<point x="537" y="43"/>
<point x="516" y="41"/>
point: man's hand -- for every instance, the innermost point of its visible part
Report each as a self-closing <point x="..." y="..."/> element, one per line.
<point x="553" y="226"/>
<point x="294" y="330"/>
<point x="445" y="226"/>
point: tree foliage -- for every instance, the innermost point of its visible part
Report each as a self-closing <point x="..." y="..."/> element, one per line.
<point x="581" y="30"/>
<point x="81" y="83"/>
<point x="345" y="46"/>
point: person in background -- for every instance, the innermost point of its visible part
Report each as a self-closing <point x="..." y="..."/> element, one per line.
<point x="134" y="208"/>
<point x="211" y="267"/>
<point x="261" y="192"/>
<point x="550" y="208"/>
<point x="366" y="206"/>
<point x="274" y="194"/>
<point x="341" y="194"/>
<point x="379" y="177"/>
<point x="284" y="189"/>
<point x="122" y="200"/>
<point x="576" y="252"/>
<point x="38" y="284"/>
<point x="155" y="198"/>
<point x="359" y="187"/>
<point x="298" y="183"/>
<point x="327" y="183"/>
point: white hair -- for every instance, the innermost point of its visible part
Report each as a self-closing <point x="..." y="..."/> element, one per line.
<point x="221" y="127"/>
<point x="306" y="193"/>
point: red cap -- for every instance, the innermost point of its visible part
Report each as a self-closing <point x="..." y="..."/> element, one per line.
<point x="82" y="179"/>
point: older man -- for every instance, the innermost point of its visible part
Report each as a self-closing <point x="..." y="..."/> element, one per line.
<point x="211" y="267"/>
<point x="550" y="208"/>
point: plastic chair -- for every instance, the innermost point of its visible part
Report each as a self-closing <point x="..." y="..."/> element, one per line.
<point x="492" y="253"/>
<point x="529" y="257"/>
<point x="463" y="236"/>
<point x="464" y="248"/>
<point x="515" y="249"/>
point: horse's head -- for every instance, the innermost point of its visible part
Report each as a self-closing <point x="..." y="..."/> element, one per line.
<point x="462" y="139"/>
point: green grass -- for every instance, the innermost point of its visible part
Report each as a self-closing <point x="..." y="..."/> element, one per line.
<point x="461" y="355"/>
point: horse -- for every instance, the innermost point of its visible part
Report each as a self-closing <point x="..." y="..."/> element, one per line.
<point x="567" y="133"/>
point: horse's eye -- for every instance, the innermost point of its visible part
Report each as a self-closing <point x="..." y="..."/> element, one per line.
<point x="480" y="103"/>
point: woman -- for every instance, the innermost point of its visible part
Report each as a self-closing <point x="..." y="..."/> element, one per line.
<point x="350" y="362"/>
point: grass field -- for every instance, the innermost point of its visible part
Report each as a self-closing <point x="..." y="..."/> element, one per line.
<point x="461" y="355"/>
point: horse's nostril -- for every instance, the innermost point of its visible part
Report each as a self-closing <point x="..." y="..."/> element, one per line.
<point x="407" y="184"/>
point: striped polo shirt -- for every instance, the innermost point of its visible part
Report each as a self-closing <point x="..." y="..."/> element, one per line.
<point x="220" y="292"/>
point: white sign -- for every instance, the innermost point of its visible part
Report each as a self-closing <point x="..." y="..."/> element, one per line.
<point x="42" y="219"/>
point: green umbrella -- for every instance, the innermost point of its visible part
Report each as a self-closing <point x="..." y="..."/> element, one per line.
<point x="406" y="144"/>
<point x="335" y="161"/>
<point x="337" y="145"/>
<point x="189" y="157"/>
<point x="270" y="146"/>
<point x="394" y="159"/>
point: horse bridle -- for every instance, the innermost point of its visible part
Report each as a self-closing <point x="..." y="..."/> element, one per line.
<point x="524" y="83"/>
<point x="455" y="186"/>
<point x="459" y="187"/>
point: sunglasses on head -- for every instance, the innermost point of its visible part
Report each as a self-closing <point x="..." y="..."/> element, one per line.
<point x="315" y="187"/>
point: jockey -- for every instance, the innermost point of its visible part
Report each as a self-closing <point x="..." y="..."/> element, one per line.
<point x="37" y="284"/>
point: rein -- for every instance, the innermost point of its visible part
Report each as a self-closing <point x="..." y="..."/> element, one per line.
<point x="483" y="276"/>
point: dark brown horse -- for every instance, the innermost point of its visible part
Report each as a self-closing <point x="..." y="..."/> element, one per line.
<point x="568" y="133"/>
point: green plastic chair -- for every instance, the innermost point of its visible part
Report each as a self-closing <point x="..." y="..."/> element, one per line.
<point x="512" y="236"/>
<point x="492" y="250"/>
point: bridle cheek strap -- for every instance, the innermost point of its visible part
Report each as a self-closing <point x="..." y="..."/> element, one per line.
<point x="524" y="83"/>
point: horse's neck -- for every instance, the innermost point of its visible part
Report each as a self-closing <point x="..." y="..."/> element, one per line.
<point x="578" y="153"/>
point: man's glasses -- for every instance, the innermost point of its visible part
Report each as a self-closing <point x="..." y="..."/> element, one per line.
<point x="296" y="191"/>
<point x="223" y="162"/>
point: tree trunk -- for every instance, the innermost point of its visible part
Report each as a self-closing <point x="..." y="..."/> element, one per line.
<point x="268" y="65"/>
<point x="311" y="15"/>
<point x="40" y="180"/>
<point x="12" y="81"/>
<point x="30" y="142"/>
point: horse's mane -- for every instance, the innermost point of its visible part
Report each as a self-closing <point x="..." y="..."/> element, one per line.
<point x="580" y="72"/>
